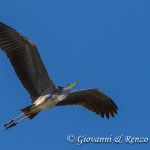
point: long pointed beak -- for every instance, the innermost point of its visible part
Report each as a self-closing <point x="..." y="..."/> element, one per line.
<point x="73" y="84"/>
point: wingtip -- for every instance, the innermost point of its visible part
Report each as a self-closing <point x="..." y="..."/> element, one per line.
<point x="107" y="117"/>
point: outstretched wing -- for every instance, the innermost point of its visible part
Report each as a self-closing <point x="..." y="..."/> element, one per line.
<point x="92" y="99"/>
<point x="25" y="59"/>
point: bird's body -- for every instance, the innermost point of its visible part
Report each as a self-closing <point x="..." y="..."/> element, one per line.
<point x="47" y="100"/>
<point x="27" y="63"/>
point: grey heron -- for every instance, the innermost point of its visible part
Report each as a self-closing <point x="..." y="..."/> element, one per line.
<point x="26" y="61"/>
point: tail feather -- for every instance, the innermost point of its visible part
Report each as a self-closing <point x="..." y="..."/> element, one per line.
<point x="26" y="112"/>
<point x="31" y="116"/>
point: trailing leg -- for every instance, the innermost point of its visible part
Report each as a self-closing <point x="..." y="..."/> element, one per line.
<point x="9" y="122"/>
<point x="13" y="124"/>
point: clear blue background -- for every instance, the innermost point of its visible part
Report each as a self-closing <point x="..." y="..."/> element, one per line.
<point x="107" y="44"/>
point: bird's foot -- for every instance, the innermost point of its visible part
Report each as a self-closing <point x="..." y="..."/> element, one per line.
<point x="9" y="122"/>
<point x="11" y="125"/>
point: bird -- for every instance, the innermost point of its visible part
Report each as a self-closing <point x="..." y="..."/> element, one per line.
<point x="44" y="94"/>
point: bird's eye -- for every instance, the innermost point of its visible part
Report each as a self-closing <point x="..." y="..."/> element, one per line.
<point x="69" y="84"/>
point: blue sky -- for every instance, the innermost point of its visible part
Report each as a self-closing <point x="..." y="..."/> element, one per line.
<point x="107" y="44"/>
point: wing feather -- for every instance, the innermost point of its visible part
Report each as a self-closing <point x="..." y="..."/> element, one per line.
<point x="26" y="60"/>
<point x="92" y="99"/>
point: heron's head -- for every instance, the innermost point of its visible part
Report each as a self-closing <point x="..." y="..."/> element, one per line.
<point x="68" y="87"/>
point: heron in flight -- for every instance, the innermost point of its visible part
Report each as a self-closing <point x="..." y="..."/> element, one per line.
<point x="26" y="61"/>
